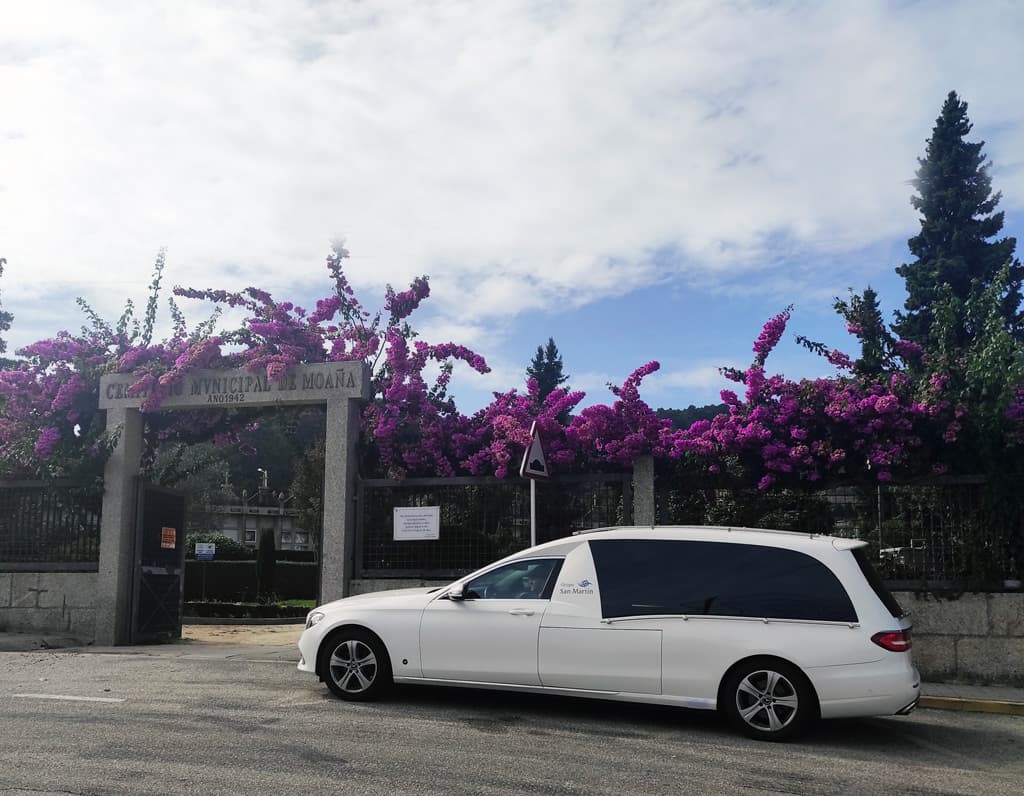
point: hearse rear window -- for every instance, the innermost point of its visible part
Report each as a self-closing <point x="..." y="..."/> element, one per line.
<point x="877" y="586"/>
<point x="652" y="576"/>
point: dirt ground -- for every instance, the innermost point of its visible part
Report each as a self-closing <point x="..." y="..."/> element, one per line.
<point x="263" y="635"/>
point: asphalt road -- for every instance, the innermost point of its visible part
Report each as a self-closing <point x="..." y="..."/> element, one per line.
<point x="127" y="723"/>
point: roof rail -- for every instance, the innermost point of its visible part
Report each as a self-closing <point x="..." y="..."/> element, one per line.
<point x="607" y="528"/>
<point x="726" y="528"/>
<point x="805" y="534"/>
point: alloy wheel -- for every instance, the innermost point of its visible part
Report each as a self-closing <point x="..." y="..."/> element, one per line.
<point x="353" y="666"/>
<point x="767" y="701"/>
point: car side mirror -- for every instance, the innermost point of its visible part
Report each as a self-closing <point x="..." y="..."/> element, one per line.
<point x="456" y="592"/>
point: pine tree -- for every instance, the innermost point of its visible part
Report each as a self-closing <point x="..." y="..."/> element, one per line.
<point x="956" y="257"/>
<point x="546" y="368"/>
<point x="863" y="317"/>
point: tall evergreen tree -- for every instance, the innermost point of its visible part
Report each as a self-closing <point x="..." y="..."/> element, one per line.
<point x="863" y="317"/>
<point x="956" y="256"/>
<point x="546" y="368"/>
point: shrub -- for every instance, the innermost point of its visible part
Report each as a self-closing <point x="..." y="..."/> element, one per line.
<point x="228" y="549"/>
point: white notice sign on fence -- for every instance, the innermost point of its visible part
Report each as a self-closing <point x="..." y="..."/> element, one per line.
<point x="417" y="522"/>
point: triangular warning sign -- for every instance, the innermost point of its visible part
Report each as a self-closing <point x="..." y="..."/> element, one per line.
<point x="534" y="464"/>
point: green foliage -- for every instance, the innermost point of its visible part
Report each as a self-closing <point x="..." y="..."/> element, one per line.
<point x="128" y="331"/>
<point x="198" y="470"/>
<point x="307" y="604"/>
<point x="956" y="256"/>
<point x="307" y="488"/>
<point x="149" y="319"/>
<point x="546" y="368"/>
<point x="275" y="439"/>
<point x="985" y="371"/>
<point x="864" y="316"/>
<point x="684" y="418"/>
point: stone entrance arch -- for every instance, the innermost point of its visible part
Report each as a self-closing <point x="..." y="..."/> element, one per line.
<point x="341" y="386"/>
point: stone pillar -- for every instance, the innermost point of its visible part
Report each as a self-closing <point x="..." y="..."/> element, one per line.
<point x="337" y="546"/>
<point x="114" y="584"/>
<point x="643" y="491"/>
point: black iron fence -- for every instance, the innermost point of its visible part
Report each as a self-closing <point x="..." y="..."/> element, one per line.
<point x="963" y="532"/>
<point x="481" y="519"/>
<point x="946" y="533"/>
<point x="53" y="525"/>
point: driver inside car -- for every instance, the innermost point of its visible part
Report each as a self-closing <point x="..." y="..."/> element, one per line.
<point x="533" y="585"/>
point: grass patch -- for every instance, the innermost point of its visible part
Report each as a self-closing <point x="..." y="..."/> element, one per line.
<point x="286" y="609"/>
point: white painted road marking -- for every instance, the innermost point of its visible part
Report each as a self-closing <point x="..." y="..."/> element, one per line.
<point x="67" y="697"/>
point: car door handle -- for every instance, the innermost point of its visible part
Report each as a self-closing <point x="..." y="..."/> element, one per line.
<point x="521" y="611"/>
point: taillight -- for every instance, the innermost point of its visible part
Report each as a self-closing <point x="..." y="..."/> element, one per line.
<point x="893" y="640"/>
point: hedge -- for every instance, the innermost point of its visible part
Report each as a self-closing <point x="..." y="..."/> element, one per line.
<point x="243" y="610"/>
<point x="235" y="581"/>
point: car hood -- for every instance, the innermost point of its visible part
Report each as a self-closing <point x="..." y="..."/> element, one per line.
<point x="391" y="598"/>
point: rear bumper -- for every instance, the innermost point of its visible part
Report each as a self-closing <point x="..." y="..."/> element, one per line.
<point x="887" y="687"/>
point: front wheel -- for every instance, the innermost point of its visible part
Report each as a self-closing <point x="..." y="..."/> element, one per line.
<point x="769" y="700"/>
<point x="355" y="665"/>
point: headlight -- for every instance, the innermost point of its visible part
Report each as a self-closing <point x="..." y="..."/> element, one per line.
<point x="313" y="618"/>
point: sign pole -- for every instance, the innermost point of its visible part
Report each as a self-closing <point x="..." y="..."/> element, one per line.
<point x="205" y="551"/>
<point x="534" y="466"/>
<point x="533" y="512"/>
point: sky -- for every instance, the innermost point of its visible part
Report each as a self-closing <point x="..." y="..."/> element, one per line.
<point x="638" y="180"/>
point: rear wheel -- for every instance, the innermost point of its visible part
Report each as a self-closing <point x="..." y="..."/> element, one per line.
<point x="355" y="665"/>
<point x="770" y="700"/>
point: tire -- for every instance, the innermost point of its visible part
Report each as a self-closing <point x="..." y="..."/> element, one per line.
<point x="355" y="665"/>
<point x="768" y="699"/>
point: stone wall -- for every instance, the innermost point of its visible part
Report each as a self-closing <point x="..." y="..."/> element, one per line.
<point x="367" y="585"/>
<point x="968" y="638"/>
<point x="49" y="602"/>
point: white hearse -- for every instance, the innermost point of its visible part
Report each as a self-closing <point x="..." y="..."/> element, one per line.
<point x="772" y="628"/>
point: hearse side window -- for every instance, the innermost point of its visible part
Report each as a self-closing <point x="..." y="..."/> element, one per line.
<point x="650" y="576"/>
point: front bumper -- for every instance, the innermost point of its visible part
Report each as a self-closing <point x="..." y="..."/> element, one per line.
<point x="309" y="645"/>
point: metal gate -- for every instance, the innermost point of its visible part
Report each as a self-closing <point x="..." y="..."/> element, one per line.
<point x="159" y="571"/>
<point x="481" y="519"/>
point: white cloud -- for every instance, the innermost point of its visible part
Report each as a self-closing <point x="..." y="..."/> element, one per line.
<point x="702" y="376"/>
<point x="527" y="156"/>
